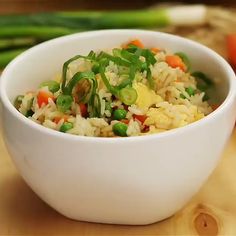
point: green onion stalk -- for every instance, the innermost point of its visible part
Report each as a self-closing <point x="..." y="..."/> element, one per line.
<point x="25" y="30"/>
<point x="7" y="56"/>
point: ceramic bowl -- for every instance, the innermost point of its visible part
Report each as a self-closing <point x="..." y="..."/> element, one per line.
<point x="134" y="180"/>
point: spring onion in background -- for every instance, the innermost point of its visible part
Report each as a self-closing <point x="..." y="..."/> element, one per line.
<point x="19" y="32"/>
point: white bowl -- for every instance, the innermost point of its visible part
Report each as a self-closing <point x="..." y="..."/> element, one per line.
<point x="135" y="180"/>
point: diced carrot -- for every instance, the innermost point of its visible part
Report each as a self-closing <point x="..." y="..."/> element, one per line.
<point x="175" y="61"/>
<point x="58" y="118"/>
<point x="125" y="121"/>
<point x="135" y="42"/>
<point x="140" y="118"/>
<point x="83" y="109"/>
<point x="231" y="48"/>
<point x="155" y="50"/>
<point x="43" y="97"/>
<point x="214" y="106"/>
<point x="145" y="128"/>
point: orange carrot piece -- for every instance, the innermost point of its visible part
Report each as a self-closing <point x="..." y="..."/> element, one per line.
<point x="135" y="42"/>
<point x="214" y="106"/>
<point x="155" y="50"/>
<point x="83" y="109"/>
<point x="231" y="48"/>
<point x="140" y="118"/>
<point x="43" y="97"/>
<point x="58" y="118"/>
<point x="125" y="121"/>
<point x="175" y="61"/>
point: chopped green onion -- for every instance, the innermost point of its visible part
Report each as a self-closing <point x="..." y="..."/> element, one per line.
<point x="119" y="114"/>
<point x="66" y="126"/>
<point x="92" y="55"/>
<point x="129" y="80"/>
<point x="150" y="80"/>
<point x="182" y="96"/>
<point x="185" y="59"/>
<point x="190" y="91"/>
<point x="18" y="101"/>
<point x="7" y="56"/>
<point x="128" y="95"/>
<point x="150" y="58"/>
<point x="116" y="52"/>
<point x="95" y="68"/>
<point x="103" y="64"/>
<point x="95" y="106"/>
<point x="120" y="129"/>
<point x="131" y="57"/>
<point x="108" y="106"/>
<point x="64" y="102"/>
<point x="52" y="85"/>
<point x="205" y="97"/>
<point x="66" y="65"/>
<point x="116" y="59"/>
<point x="77" y="77"/>
<point x="203" y="81"/>
<point x="29" y="113"/>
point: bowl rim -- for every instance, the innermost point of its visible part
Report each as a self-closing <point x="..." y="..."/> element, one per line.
<point x="231" y="96"/>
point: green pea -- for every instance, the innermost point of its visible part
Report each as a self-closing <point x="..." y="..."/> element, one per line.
<point x="52" y="85"/>
<point x="64" y="102"/>
<point x="190" y="91"/>
<point x="119" y="114"/>
<point x="66" y="126"/>
<point x="120" y="129"/>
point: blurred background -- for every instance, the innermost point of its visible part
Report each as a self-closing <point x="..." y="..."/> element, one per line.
<point x="11" y="6"/>
<point x="24" y="23"/>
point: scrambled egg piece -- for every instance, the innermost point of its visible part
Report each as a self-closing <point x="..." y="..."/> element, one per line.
<point x="160" y="119"/>
<point x="146" y="97"/>
<point x="157" y="118"/>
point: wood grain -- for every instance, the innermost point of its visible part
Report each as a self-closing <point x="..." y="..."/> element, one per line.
<point x="211" y="212"/>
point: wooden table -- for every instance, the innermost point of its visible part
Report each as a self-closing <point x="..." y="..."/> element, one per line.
<point x="211" y="212"/>
<point x="19" y="6"/>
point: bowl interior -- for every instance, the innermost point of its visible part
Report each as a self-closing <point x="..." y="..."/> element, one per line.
<point x="44" y="61"/>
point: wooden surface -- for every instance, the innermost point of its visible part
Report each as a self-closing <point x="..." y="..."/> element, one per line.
<point x="17" y="6"/>
<point x="211" y="212"/>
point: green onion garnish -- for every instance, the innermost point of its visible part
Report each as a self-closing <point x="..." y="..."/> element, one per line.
<point x="203" y="81"/>
<point x="95" y="106"/>
<point x="77" y="77"/>
<point x="128" y="95"/>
